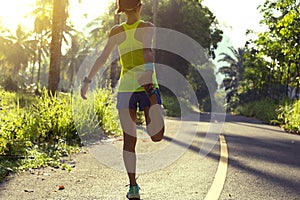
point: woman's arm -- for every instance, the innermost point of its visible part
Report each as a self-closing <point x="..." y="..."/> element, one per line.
<point x="100" y="61"/>
<point x="147" y="42"/>
<point x="148" y="30"/>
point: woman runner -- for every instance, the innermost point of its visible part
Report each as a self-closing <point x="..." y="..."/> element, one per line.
<point x="138" y="86"/>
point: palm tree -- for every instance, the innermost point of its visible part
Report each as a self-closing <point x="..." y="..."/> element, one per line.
<point x="233" y="71"/>
<point x="4" y="43"/>
<point x="42" y="29"/>
<point x="19" y="50"/>
<point x="59" y="19"/>
<point x="16" y="52"/>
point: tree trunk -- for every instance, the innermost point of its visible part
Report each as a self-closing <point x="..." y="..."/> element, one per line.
<point x="40" y="60"/>
<point x="288" y="80"/>
<point x="58" y="22"/>
<point x="298" y="81"/>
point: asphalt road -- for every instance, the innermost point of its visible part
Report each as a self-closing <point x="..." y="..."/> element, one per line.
<point x="264" y="161"/>
<point x="258" y="162"/>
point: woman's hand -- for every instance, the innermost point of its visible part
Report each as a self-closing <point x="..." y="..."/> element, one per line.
<point x="84" y="90"/>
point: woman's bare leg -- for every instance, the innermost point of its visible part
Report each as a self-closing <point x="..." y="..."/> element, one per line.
<point x="155" y="122"/>
<point x="128" y="123"/>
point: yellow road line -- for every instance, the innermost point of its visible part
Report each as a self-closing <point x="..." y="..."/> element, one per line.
<point x="219" y="181"/>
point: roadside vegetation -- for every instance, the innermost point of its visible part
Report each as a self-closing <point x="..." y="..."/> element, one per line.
<point x="36" y="131"/>
<point x="262" y="79"/>
<point x="284" y="113"/>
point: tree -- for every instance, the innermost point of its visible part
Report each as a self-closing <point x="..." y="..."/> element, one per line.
<point x="194" y="20"/>
<point x="20" y="50"/>
<point x="4" y="46"/>
<point x="280" y="43"/>
<point x="59" y="26"/>
<point x="59" y="17"/>
<point x="233" y="71"/>
<point x="42" y="30"/>
<point x="155" y="11"/>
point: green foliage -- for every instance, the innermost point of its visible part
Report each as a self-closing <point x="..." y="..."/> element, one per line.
<point x="7" y="100"/>
<point x="264" y="110"/>
<point x="140" y="118"/>
<point x="105" y="108"/>
<point x="13" y="136"/>
<point x="190" y="18"/>
<point x="284" y="113"/>
<point x="35" y="131"/>
<point x="171" y="106"/>
<point x="98" y="111"/>
<point x="175" y="107"/>
<point x="85" y="118"/>
<point x="52" y="119"/>
<point x="289" y="116"/>
<point x="273" y="58"/>
<point x="233" y="72"/>
<point x="36" y="158"/>
<point x="271" y="62"/>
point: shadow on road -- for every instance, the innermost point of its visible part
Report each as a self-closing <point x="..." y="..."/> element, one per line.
<point x="278" y="151"/>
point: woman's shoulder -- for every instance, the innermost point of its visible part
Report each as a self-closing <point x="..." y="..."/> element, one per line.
<point x="144" y="24"/>
<point x="116" y="29"/>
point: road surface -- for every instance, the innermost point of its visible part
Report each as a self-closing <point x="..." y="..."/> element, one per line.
<point x="250" y="160"/>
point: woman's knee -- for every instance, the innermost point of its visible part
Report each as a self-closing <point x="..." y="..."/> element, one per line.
<point x="129" y="143"/>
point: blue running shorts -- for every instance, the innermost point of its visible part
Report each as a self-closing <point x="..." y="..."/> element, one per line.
<point x="134" y="100"/>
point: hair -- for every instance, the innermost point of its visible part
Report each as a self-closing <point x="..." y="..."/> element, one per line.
<point x="127" y="5"/>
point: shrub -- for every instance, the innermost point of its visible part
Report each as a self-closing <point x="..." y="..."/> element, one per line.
<point x="264" y="110"/>
<point x="172" y="106"/>
<point x="34" y="135"/>
<point x="284" y="113"/>
<point x="52" y="119"/>
<point x="13" y="137"/>
<point x="289" y="116"/>
<point x="105" y="108"/>
<point x="99" y="110"/>
<point x="85" y="118"/>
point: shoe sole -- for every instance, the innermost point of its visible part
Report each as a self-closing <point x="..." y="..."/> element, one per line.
<point x="133" y="198"/>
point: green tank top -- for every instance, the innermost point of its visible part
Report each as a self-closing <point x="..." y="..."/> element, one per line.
<point x="132" y="60"/>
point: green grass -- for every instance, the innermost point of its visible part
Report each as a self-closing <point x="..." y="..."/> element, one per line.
<point x="99" y="110"/>
<point x="37" y="130"/>
<point x="264" y="110"/>
<point x="289" y="116"/>
<point x="285" y="113"/>
<point x="175" y="107"/>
